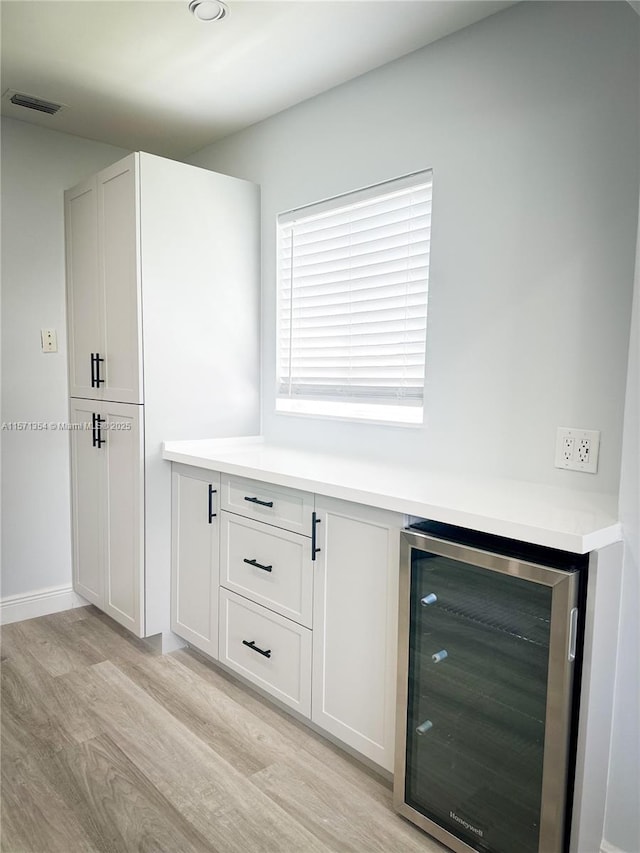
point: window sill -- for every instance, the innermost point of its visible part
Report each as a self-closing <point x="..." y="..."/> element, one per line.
<point x="411" y="416"/>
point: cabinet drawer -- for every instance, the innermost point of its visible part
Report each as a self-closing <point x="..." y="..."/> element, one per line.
<point x="270" y="566"/>
<point x="282" y="507"/>
<point x="248" y="632"/>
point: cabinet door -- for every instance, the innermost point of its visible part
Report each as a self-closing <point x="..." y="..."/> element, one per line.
<point x="87" y="502"/>
<point x="84" y="300"/>
<point x="194" y="561"/>
<point x="355" y="626"/>
<point x="123" y="514"/>
<point x="120" y="282"/>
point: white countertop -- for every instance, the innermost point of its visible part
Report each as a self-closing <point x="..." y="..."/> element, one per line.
<point x="544" y="515"/>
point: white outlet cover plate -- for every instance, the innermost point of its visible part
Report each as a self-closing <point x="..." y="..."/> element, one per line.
<point x="584" y="451"/>
<point x="49" y="340"/>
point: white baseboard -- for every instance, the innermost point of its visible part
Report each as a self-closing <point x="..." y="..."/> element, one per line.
<point x="605" y="847"/>
<point x="42" y="602"/>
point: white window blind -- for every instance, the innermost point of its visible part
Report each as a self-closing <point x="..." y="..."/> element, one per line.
<point x="353" y="277"/>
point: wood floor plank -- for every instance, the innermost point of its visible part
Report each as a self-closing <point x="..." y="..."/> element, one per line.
<point x="242" y="730"/>
<point x="51" y="642"/>
<point x="234" y="732"/>
<point x="343" y="818"/>
<point x="298" y="736"/>
<point x="195" y="779"/>
<point x="318" y="796"/>
<point x="11" y="642"/>
<point x="109" y="747"/>
<point x="118" y="807"/>
<point x="100" y="633"/>
<point x="35" y="819"/>
<point x="28" y="725"/>
<point x="40" y="714"/>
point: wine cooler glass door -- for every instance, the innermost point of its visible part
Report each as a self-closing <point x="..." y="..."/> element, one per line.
<point x="479" y="657"/>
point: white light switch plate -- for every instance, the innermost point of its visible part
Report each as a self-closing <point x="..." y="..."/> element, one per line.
<point x="577" y="449"/>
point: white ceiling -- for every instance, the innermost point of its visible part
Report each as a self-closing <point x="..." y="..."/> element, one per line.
<point x="146" y="75"/>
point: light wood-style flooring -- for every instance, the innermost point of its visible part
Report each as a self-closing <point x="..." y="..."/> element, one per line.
<point x="109" y="747"/>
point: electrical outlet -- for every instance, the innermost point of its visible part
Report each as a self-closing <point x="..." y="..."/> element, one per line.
<point x="568" y="443"/>
<point x="577" y="449"/>
<point x="49" y="340"/>
<point x="583" y="450"/>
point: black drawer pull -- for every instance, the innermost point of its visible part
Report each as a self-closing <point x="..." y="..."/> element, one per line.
<point x="252" y="645"/>
<point x="258" y="565"/>
<point x="257" y="501"/>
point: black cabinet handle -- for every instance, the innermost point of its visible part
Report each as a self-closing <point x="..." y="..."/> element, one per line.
<point x="94" y="433"/>
<point x="212" y="514"/>
<point x="99" y="422"/>
<point x="96" y="361"/>
<point x="257" y="501"/>
<point x="258" y="565"/>
<point x="252" y="645"/>
<point x="99" y="361"/>
<point x="314" y="550"/>
<point x="96" y="426"/>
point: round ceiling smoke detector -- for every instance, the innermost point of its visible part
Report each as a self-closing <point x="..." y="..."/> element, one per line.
<point x="208" y="10"/>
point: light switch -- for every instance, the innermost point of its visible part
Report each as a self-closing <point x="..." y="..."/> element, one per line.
<point x="49" y="340"/>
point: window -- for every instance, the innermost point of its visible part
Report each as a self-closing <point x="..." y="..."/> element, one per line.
<point x="352" y="303"/>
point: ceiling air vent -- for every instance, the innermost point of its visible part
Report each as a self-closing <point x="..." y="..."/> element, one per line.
<point x="32" y="103"/>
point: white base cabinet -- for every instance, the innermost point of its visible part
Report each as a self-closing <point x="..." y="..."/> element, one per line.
<point x="317" y="629"/>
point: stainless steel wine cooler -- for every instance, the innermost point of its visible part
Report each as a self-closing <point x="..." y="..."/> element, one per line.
<point x="489" y="632"/>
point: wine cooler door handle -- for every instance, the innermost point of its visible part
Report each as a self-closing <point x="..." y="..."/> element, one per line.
<point x="573" y="633"/>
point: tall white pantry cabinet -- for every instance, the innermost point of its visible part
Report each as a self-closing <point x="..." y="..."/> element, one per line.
<point x="163" y="285"/>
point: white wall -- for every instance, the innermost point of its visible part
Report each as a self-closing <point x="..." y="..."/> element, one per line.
<point x="622" y="827"/>
<point x="37" y="166"/>
<point x="529" y="121"/>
